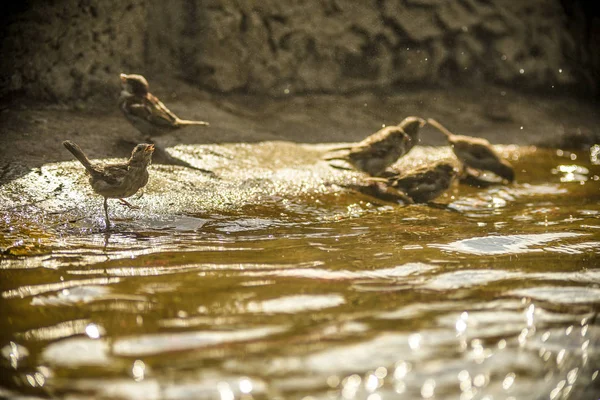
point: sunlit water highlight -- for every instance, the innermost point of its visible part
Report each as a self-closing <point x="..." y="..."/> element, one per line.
<point x="323" y="296"/>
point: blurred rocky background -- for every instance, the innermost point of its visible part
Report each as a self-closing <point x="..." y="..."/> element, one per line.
<point x="67" y="50"/>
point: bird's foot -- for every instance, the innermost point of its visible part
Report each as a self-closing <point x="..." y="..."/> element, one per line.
<point x="128" y="204"/>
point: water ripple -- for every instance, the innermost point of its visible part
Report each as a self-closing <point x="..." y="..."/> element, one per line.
<point x="561" y="295"/>
<point x="510" y="244"/>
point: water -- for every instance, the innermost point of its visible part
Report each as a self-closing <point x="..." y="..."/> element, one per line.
<point x="320" y="295"/>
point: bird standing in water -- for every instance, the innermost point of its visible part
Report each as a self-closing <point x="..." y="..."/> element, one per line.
<point x="425" y="183"/>
<point x="116" y="181"/>
<point x="145" y="111"/>
<point x="383" y="148"/>
<point x="476" y="153"/>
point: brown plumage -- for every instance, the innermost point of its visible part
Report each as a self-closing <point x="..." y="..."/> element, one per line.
<point x="116" y="181"/>
<point x="145" y="111"/>
<point x="425" y="183"/>
<point x="476" y="153"/>
<point x="383" y="148"/>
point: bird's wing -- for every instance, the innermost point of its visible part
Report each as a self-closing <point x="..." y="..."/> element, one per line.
<point x="114" y="173"/>
<point x="381" y="143"/>
<point x="382" y="135"/>
<point x="419" y="180"/>
<point x="482" y="151"/>
<point x="160" y="114"/>
<point x="151" y="109"/>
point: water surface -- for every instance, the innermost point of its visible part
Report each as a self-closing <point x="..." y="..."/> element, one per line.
<point x="492" y="294"/>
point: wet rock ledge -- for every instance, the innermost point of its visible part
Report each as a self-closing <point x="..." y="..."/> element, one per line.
<point x="242" y="175"/>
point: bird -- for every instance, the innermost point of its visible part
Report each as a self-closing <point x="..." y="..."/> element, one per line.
<point x="145" y="111"/>
<point x="424" y="183"/>
<point x="476" y="153"/>
<point x="383" y="148"/>
<point x="116" y="181"/>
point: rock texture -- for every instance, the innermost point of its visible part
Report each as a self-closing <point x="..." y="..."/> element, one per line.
<point x="73" y="49"/>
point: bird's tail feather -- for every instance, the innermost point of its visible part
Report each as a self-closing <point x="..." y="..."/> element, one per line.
<point x="332" y="158"/>
<point x="377" y="179"/>
<point x="185" y="122"/>
<point x="340" y="148"/>
<point x="341" y="168"/>
<point x="79" y="155"/>
<point x="439" y="127"/>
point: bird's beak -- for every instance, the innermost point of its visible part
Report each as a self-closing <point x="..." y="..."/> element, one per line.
<point x="150" y="148"/>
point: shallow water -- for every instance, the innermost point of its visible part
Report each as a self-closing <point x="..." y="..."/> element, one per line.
<point x="492" y="295"/>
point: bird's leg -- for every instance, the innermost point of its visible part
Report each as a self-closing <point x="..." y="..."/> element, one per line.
<point x="128" y="204"/>
<point x="107" y="220"/>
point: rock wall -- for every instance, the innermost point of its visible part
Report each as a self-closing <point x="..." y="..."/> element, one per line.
<point x="67" y="50"/>
<point x="70" y="49"/>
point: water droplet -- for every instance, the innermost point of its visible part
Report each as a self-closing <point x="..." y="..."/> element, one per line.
<point x="138" y="370"/>
<point x="572" y="375"/>
<point x="508" y="380"/>
<point x="569" y="330"/>
<point x="371" y="383"/>
<point x="414" y="341"/>
<point x="479" y="380"/>
<point x="545" y="336"/>
<point x="585" y="345"/>
<point x="381" y="372"/>
<point x="245" y="385"/>
<point x="428" y="388"/>
<point x="560" y="357"/>
<point x="584" y="330"/>
<point x="31" y="380"/>
<point x="461" y="326"/>
<point x="92" y="331"/>
<point x="333" y="381"/>
<point x="402" y="368"/>
<point x="225" y="391"/>
<point x="39" y="379"/>
<point x="529" y="314"/>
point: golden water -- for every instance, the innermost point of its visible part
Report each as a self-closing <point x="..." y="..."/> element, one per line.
<point x="325" y="296"/>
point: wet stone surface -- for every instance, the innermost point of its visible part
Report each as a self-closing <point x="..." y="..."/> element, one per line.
<point x="271" y="279"/>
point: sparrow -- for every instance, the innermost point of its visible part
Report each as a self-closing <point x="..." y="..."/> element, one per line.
<point x="383" y="148"/>
<point x="116" y="181"/>
<point x="424" y="183"/>
<point x="476" y="153"/>
<point x="145" y="111"/>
